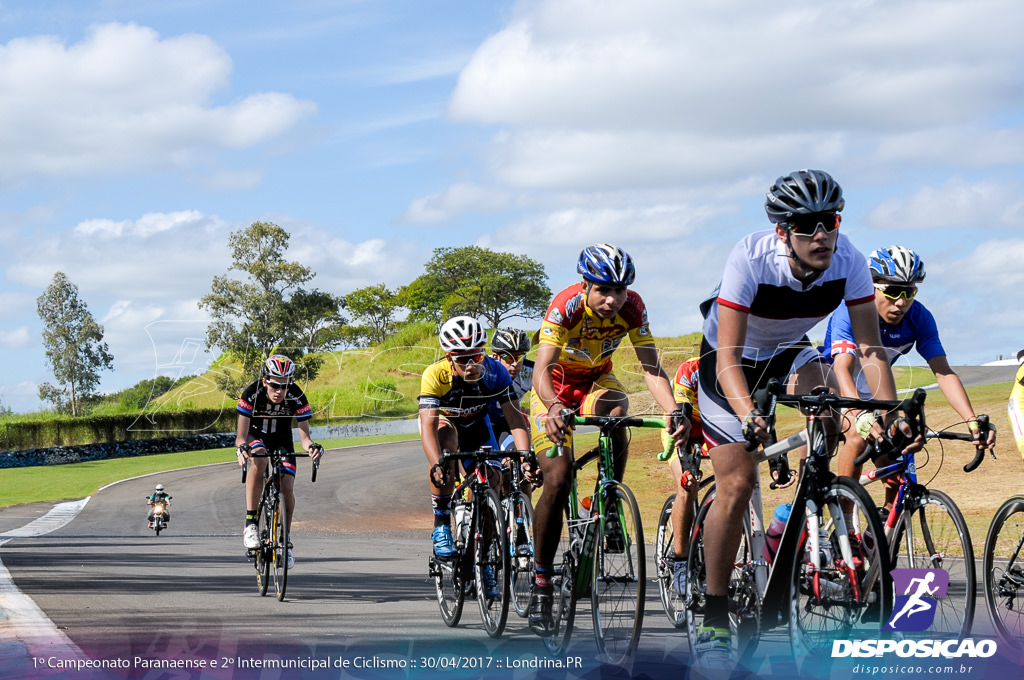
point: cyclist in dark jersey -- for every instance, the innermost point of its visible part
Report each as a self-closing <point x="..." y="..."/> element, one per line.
<point x="265" y="412"/>
<point x="509" y="346"/>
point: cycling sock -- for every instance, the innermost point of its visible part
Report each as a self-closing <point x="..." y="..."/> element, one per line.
<point x="250" y="517"/>
<point x="543" y="576"/>
<point x="442" y="509"/>
<point x="716" y="611"/>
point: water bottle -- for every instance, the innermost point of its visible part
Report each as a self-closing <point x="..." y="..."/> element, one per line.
<point x="773" y="534"/>
<point x="460" y="523"/>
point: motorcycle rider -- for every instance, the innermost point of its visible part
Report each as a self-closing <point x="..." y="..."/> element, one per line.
<point x="159" y="496"/>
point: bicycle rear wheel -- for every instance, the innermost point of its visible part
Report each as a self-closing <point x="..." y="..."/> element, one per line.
<point x="563" y="606"/>
<point x="842" y="599"/>
<point x="492" y="555"/>
<point x="280" y="542"/>
<point x="664" y="560"/>
<point x="620" y="576"/>
<point x="1003" y="573"/>
<point x="265" y="522"/>
<point x="521" y="551"/>
<point x="939" y="540"/>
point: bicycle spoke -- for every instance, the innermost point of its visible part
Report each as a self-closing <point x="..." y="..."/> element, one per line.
<point x="1003" y="573"/>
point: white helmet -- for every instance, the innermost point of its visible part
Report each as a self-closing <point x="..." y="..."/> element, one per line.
<point x="462" y="333"/>
<point x="159" y="487"/>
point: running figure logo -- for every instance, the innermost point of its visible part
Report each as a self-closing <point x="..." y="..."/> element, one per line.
<point x="914" y="610"/>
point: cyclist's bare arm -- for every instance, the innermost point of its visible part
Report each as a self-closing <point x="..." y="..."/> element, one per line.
<point x="732" y="334"/>
<point x="547" y="359"/>
<point x="659" y="384"/>
<point x="953" y="389"/>
<point x="843" y="365"/>
<point x="241" y="434"/>
<point x="517" y="425"/>
<point x="307" y="441"/>
<point x="874" y="360"/>
<point x="429" y="418"/>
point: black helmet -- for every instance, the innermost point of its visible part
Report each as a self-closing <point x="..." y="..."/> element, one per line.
<point x="510" y="341"/>
<point x="801" y="193"/>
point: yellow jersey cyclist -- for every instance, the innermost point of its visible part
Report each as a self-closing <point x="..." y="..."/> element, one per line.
<point x="1015" y="407"/>
<point x="265" y="411"/>
<point x="583" y="326"/>
<point x="904" y="323"/>
<point x="455" y="392"/>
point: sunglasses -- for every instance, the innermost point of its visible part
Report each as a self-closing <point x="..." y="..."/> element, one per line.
<point x="511" y="358"/>
<point x="895" y="292"/>
<point x="466" y="359"/>
<point x="807" y="225"/>
<point x="276" y="385"/>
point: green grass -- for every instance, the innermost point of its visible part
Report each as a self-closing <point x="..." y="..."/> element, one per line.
<point x="78" y="480"/>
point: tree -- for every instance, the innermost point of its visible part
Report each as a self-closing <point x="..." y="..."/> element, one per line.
<point x="424" y="299"/>
<point x="74" y="346"/>
<point x="376" y="306"/>
<point x="317" y="319"/>
<point x="256" y="316"/>
<point x="479" y="282"/>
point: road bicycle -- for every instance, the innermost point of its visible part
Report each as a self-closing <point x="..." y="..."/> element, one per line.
<point x="272" y="521"/>
<point x="481" y="546"/>
<point x="672" y="601"/>
<point x="829" y="577"/>
<point x="1003" y="574"/>
<point x="926" y="530"/>
<point x="519" y="520"/>
<point x="601" y="550"/>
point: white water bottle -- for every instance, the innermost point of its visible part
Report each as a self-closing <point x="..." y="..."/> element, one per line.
<point x="460" y="521"/>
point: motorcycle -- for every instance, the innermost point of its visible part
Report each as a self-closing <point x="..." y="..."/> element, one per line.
<point x="158" y="513"/>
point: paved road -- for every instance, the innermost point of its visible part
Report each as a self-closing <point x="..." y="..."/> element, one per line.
<point x="359" y="586"/>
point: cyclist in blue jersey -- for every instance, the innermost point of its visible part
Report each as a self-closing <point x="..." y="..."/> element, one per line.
<point x="509" y="346"/>
<point x="904" y="323"/>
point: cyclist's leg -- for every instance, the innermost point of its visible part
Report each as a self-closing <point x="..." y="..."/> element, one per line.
<point x="288" y="486"/>
<point x="682" y="512"/>
<point x="253" y="490"/>
<point x="607" y="397"/>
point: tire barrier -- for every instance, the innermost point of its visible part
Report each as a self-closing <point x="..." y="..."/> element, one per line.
<point x="60" y="455"/>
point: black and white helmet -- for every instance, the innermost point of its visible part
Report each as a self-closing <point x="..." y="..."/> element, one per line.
<point x="896" y="264"/>
<point x="278" y="366"/>
<point x="801" y="193"/>
<point x="510" y="341"/>
<point x="462" y="333"/>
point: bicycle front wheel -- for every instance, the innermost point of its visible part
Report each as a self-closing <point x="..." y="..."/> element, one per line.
<point x="563" y="606"/>
<point x="932" y="534"/>
<point x="491" y="566"/>
<point x="1003" y="572"/>
<point x="520" y="520"/>
<point x="280" y="547"/>
<point x="264" y="528"/>
<point x="620" y="576"/>
<point x="664" y="559"/>
<point x="842" y="590"/>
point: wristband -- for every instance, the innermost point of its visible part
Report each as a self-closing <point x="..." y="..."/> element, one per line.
<point x="865" y="421"/>
<point x="972" y="425"/>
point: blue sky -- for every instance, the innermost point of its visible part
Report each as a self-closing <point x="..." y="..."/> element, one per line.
<point x="135" y="136"/>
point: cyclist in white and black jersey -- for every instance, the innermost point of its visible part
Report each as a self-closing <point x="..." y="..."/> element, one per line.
<point x="776" y="286"/>
<point x="509" y="346"/>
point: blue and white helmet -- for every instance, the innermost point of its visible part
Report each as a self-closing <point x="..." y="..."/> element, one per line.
<point x="896" y="264"/>
<point x="605" y="263"/>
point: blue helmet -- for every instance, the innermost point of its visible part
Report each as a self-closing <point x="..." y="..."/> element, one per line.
<point x="896" y="264"/>
<point x="605" y="263"/>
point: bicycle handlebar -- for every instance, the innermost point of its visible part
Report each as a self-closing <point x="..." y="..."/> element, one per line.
<point x="984" y="427"/>
<point x="280" y="453"/>
<point x="605" y="423"/>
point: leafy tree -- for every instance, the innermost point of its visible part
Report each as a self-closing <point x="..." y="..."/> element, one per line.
<point x="424" y="299"/>
<point x="480" y="282"/>
<point x="74" y="346"/>
<point x="376" y="307"/>
<point x="256" y="315"/>
<point x="317" y="319"/>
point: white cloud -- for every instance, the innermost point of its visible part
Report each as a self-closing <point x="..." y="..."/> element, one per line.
<point x="124" y="98"/>
<point x="983" y="204"/>
<point x="19" y="337"/>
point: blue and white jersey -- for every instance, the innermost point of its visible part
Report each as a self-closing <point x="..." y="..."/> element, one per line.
<point x="916" y="328"/>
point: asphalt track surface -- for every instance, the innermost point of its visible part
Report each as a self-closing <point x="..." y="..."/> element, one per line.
<point x="359" y="592"/>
